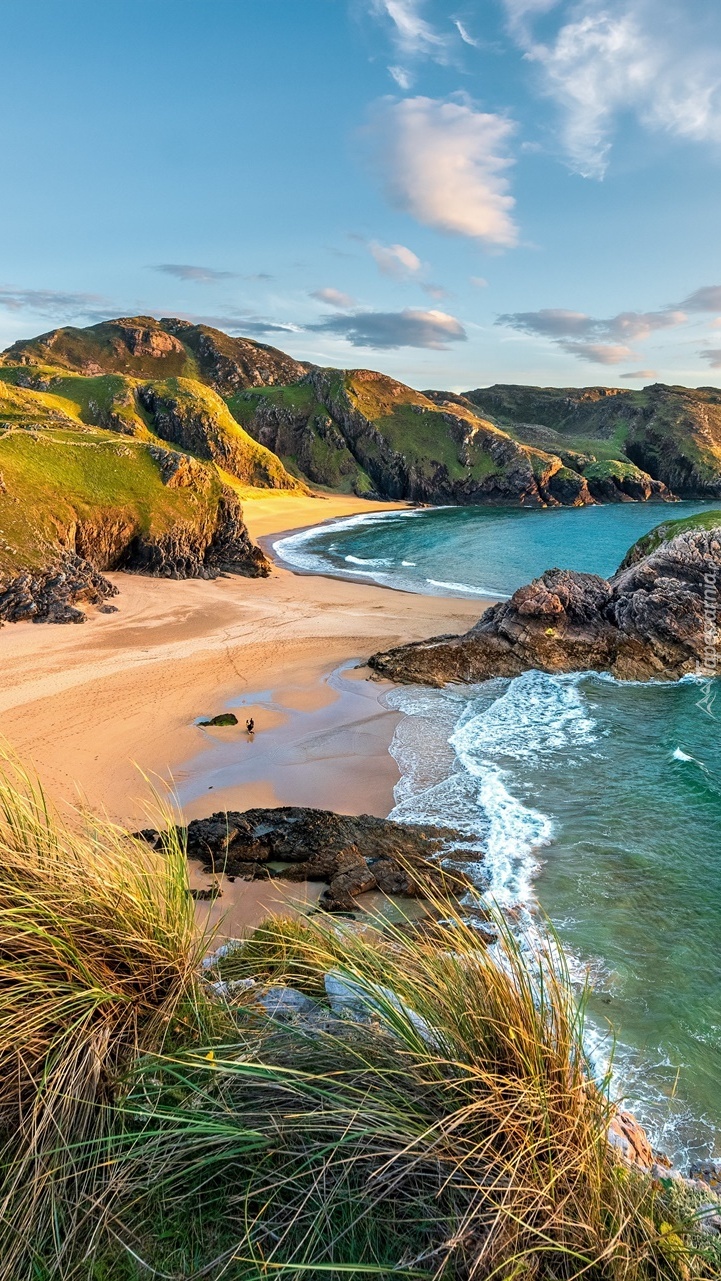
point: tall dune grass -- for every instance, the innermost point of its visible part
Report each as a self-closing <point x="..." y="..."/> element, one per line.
<point x="99" y="961"/>
<point x="457" y="1134"/>
<point x="150" y="1128"/>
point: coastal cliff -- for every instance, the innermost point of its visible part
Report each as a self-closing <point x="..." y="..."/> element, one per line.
<point x="672" y="433"/>
<point x="74" y="505"/>
<point x="657" y="617"/>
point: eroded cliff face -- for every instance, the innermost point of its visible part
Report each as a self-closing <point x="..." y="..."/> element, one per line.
<point x="671" y="433"/>
<point x="195" y="418"/>
<point x="144" y="509"/>
<point x="364" y="431"/>
<point x="657" y="618"/>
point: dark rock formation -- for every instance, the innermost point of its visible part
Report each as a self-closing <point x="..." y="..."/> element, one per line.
<point x="219" y="544"/>
<point x="352" y="854"/>
<point x="656" y="618"/>
<point x="229" y="364"/>
<point x="223" y="718"/>
<point x="50" y="596"/>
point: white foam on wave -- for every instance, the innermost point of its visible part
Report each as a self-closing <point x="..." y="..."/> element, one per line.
<point x="294" y="549"/>
<point x="464" y="756"/>
<point x="360" y="560"/>
<point x="457" y="752"/>
<point x="466" y="588"/>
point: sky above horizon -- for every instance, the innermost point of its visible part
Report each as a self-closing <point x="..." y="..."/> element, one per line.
<point x="455" y="192"/>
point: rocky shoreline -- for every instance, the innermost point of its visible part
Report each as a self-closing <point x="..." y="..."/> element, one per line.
<point x="352" y="854"/>
<point x="656" y="618"/>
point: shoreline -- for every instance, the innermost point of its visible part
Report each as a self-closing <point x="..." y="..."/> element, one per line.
<point x="98" y="712"/>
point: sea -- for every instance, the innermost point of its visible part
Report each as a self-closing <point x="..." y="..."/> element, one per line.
<point x="595" y="804"/>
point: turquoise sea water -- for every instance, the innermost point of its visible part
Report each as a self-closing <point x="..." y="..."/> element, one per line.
<point x="468" y="551"/>
<point x="598" y="800"/>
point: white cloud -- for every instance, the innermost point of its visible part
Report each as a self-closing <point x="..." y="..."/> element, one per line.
<point x="464" y="34"/>
<point x="602" y="341"/>
<point x="552" y="322"/>
<point x="641" y="375"/>
<point x="651" y="58"/>
<point x="385" y="330"/>
<point x="597" y="353"/>
<point x="555" y="322"/>
<point x="402" y="77"/>
<point x="445" y="164"/>
<point x="411" y="32"/>
<point x="478" y="282"/>
<point x="334" y="298"/>
<point x="639" y="325"/>
<point x="396" y="261"/>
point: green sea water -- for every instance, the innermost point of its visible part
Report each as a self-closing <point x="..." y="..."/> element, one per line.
<point x="596" y="800"/>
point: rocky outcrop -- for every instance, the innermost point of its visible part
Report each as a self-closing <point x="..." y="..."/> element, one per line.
<point x="618" y="482"/>
<point x="656" y="618"/>
<point x="203" y="549"/>
<point x="352" y="854"/>
<point x="230" y="364"/>
<point x="51" y="595"/>
<point x="195" y="418"/>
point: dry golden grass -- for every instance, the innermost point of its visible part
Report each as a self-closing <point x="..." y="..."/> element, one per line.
<point x="99" y="961"/>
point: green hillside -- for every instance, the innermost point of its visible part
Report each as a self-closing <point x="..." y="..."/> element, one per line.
<point x="672" y="433"/>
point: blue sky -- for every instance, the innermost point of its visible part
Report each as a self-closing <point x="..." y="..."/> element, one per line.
<point x="457" y="192"/>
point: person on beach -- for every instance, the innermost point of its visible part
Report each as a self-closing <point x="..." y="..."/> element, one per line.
<point x="250" y="725"/>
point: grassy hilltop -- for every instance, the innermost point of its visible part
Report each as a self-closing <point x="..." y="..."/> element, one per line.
<point x="673" y="433"/>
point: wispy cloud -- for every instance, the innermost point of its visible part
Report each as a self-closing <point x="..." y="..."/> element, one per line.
<point x="385" y="330"/>
<point x="411" y="32"/>
<point x="55" y="302"/>
<point x="402" y="77"/>
<point x="595" y="352"/>
<point x="602" y="341"/>
<point x="465" y="35"/>
<point x="445" y="163"/>
<point x="200" y="275"/>
<point x="708" y="298"/>
<point x="712" y="355"/>
<point x="638" y="375"/>
<point x="435" y="291"/>
<point x="239" y="324"/>
<point x="653" y="59"/>
<point x="334" y="298"/>
<point x="396" y="261"/>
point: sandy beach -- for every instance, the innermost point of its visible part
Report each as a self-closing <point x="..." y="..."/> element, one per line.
<point x="93" y="708"/>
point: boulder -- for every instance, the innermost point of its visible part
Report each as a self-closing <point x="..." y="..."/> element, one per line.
<point x="656" y="618"/>
<point x="351" y="853"/>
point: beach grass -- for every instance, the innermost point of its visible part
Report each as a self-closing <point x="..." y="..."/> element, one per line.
<point x="157" y="1122"/>
<point x="99" y="961"/>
